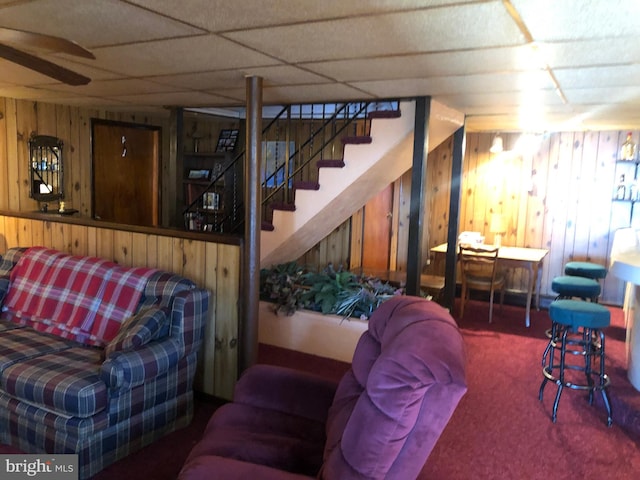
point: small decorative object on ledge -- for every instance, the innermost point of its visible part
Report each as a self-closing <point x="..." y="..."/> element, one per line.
<point x="227" y="140"/>
<point x="628" y="149"/>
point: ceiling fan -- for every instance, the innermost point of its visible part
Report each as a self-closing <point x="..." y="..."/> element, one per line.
<point x="45" y="42"/>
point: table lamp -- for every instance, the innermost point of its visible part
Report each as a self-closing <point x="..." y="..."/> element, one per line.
<point x="497" y="227"/>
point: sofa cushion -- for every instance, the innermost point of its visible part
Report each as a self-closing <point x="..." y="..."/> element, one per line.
<point x="64" y="382"/>
<point x="81" y="298"/>
<point x="140" y="329"/>
<point x="20" y="344"/>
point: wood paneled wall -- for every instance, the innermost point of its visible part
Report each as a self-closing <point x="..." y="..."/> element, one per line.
<point x="554" y="194"/>
<point x="19" y="119"/>
<point x="213" y="266"/>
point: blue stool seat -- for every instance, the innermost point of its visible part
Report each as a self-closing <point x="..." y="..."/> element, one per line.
<point x="585" y="269"/>
<point x="576" y="314"/>
<point x="576" y="331"/>
<point x="567" y="286"/>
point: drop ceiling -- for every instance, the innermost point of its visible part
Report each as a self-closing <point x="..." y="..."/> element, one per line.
<point x="534" y="65"/>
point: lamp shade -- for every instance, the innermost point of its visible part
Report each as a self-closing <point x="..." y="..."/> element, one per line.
<point x="496" y="146"/>
<point x="497" y="224"/>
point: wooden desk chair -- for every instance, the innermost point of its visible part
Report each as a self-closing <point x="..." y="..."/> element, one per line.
<point x="479" y="271"/>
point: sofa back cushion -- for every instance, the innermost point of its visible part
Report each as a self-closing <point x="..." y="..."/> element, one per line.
<point x="81" y="298"/>
<point x="406" y="379"/>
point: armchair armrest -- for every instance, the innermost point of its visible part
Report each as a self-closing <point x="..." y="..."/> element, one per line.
<point x="286" y="390"/>
<point x="127" y="369"/>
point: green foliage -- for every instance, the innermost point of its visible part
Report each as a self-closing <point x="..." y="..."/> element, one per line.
<point x="326" y="288"/>
<point x="335" y="291"/>
<point x="281" y="286"/>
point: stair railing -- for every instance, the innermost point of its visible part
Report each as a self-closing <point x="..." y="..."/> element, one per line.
<point x="293" y="142"/>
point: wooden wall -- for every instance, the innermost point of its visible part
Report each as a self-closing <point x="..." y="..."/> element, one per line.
<point x="19" y="119"/>
<point x="556" y="194"/>
<point x="213" y="266"/>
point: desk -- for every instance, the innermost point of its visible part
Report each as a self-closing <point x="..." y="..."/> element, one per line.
<point x="518" y="257"/>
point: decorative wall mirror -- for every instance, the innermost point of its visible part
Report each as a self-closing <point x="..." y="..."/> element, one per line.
<point x="45" y="154"/>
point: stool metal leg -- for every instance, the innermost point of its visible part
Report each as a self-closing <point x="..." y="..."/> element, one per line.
<point x="548" y="358"/>
<point x="589" y="350"/>
<point x="604" y="381"/>
<point x="561" y="381"/>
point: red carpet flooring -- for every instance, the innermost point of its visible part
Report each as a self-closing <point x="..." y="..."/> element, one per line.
<point x="499" y="431"/>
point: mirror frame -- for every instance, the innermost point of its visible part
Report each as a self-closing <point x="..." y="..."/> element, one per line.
<point x="46" y="168"/>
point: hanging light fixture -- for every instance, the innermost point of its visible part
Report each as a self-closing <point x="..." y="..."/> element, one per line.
<point x="496" y="146"/>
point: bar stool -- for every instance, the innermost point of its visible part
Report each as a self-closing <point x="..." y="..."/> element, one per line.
<point x="585" y="269"/>
<point x="570" y="286"/>
<point x="577" y="330"/>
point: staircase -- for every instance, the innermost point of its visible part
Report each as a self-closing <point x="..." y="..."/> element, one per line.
<point x="344" y="186"/>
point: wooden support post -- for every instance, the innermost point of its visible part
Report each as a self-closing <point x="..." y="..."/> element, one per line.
<point x="418" y="185"/>
<point x="171" y="214"/>
<point x="250" y="292"/>
<point x="449" y="295"/>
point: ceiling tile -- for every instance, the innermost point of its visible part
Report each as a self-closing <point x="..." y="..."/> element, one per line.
<point x="178" y="99"/>
<point x="548" y="20"/>
<point x="380" y="35"/>
<point x="622" y="95"/>
<point x="615" y="51"/>
<point x="528" y="83"/>
<point x="311" y="93"/>
<point x="223" y="15"/>
<point x="93" y="23"/>
<point x="467" y="62"/>
<point x="182" y="55"/>
<point x="275" y="75"/>
<point x="593" y="77"/>
<point x="116" y="87"/>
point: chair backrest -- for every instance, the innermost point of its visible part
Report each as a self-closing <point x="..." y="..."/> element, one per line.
<point x="406" y="379"/>
<point x="478" y="262"/>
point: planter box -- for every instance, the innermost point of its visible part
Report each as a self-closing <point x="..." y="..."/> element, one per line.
<point x="310" y="332"/>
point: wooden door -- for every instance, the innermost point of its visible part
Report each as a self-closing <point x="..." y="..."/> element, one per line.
<point x="376" y="235"/>
<point x="125" y="173"/>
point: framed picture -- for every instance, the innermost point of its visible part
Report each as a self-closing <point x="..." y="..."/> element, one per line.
<point x="227" y="140"/>
<point x="211" y="201"/>
<point x="199" y="174"/>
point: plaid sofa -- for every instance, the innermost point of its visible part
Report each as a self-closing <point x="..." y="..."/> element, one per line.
<point x="95" y="358"/>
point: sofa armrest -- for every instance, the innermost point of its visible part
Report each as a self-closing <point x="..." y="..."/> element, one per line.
<point x="189" y="314"/>
<point x="286" y="390"/>
<point x="127" y="369"/>
<point x="211" y="466"/>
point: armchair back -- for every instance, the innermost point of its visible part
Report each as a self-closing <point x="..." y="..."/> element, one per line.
<point x="407" y="377"/>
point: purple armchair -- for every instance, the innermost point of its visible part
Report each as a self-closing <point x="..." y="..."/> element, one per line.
<point x="380" y="422"/>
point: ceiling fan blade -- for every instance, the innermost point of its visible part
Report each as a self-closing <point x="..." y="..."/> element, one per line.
<point x="40" y="40"/>
<point x="43" y="66"/>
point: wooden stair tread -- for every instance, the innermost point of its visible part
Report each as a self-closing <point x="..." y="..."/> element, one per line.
<point x="330" y="163"/>
<point x="357" y="140"/>
<point x="288" y="207"/>
<point x="306" y="185"/>
<point x="385" y="114"/>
